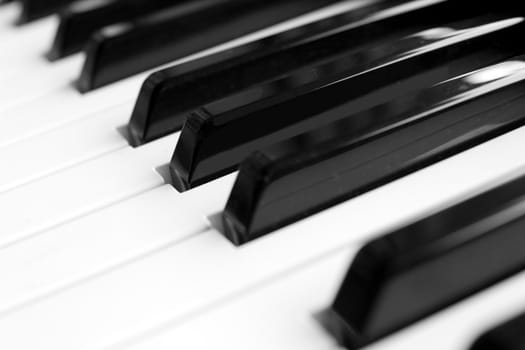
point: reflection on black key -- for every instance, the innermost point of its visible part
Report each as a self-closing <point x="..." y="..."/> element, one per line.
<point x="219" y="136"/>
<point x="508" y="336"/>
<point x="169" y="95"/>
<point x="319" y="169"/>
<point x="128" y="49"/>
<point x="34" y="9"/>
<point x="410" y="274"/>
<point x="83" y="18"/>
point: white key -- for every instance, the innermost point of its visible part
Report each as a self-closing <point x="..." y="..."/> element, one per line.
<point x="74" y="143"/>
<point x="63" y="107"/>
<point x="28" y="42"/>
<point x="8" y="16"/>
<point x="79" y="190"/>
<point x="91" y="245"/>
<point x="277" y="315"/>
<point x="182" y="279"/>
<point x="31" y="80"/>
<point x="94" y="245"/>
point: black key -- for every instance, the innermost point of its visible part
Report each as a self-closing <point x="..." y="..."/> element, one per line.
<point x="508" y="336"/>
<point x="81" y="20"/>
<point x="316" y="170"/>
<point x="169" y="95"/>
<point x="403" y="277"/>
<point x="183" y="30"/>
<point x="35" y="9"/>
<point x="219" y="136"/>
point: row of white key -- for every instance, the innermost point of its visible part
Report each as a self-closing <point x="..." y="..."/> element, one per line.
<point x="128" y="290"/>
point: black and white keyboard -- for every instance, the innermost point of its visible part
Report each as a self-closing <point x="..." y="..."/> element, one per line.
<point x="251" y="174"/>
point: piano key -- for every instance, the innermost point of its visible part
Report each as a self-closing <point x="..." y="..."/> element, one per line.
<point x="64" y="147"/>
<point x="28" y="43"/>
<point x="349" y="157"/>
<point x="462" y="322"/>
<point x="508" y="336"/>
<point x="162" y="282"/>
<point x="64" y="105"/>
<point x="211" y="144"/>
<point x="38" y="81"/>
<point x="35" y="9"/>
<point x="80" y="20"/>
<point x="78" y="256"/>
<point x="168" y="95"/>
<point x="91" y="121"/>
<point x="244" y="320"/>
<point x="418" y="270"/>
<point x="68" y="116"/>
<point x="85" y="188"/>
<point x="58" y="108"/>
<point x="98" y="243"/>
<point x="115" y="53"/>
<point x="193" y="193"/>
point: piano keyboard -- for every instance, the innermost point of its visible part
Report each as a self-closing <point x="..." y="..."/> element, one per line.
<point x="289" y="174"/>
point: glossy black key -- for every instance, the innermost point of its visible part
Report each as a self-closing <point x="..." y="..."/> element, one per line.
<point x="79" y="21"/>
<point x="400" y="278"/>
<point x="341" y="160"/>
<point x="508" y="336"/>
<point x="169" y="95"/>
<point x="35" y="9"/>
<point x="146" y="43"/>
<point x="219" y="136"/>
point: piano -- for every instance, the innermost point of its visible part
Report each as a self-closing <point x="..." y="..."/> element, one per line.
<point x="249" y="174"/>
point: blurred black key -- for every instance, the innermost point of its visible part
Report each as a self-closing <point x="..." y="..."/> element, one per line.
<point x="316" y="170"/>
<point x="508" y="336"/>
<point x="169" y="95"/>
<point x="35" y="9"/>
<point x="79" y="21"/>
<point x="398" y="279"/>
<point x="146" y="43"/>
<point x="219" y="136"/>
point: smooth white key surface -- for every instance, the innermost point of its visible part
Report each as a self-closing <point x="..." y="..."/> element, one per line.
<point x="79" y="190"/>
<point x="35" y="79"/>
<point x="64" y="147"/>
<point x="93" y="244"/>
<point x="27" y="43"/>
<point x="277" y="315"/>
<point x="64" y="106"/>
<point x="97" y="243"/>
